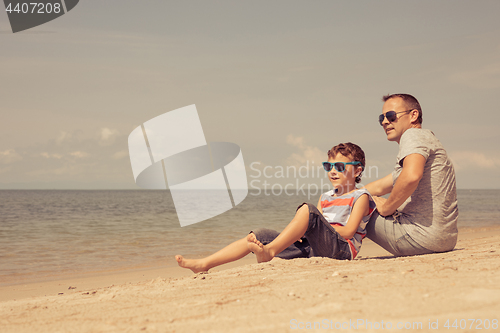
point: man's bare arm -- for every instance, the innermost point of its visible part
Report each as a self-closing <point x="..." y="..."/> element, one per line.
<point x="407" y="182"/>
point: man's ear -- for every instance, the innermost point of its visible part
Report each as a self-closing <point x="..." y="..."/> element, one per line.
<point x="414" y="116"/>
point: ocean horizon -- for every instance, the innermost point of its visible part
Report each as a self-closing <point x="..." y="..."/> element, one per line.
<point x="46" y="233"/>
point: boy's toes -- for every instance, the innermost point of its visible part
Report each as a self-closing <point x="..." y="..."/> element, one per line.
<point x="251" y="238"/>
<point x="254" y="247"/>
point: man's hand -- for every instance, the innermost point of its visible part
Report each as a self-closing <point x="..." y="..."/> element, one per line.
<point x="407" y="182"/>
<point x="380" y="202"/>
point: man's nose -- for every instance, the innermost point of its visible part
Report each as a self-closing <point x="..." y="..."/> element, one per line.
<point x="385" y="121"/>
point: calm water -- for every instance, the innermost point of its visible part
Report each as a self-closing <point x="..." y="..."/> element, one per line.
<point x="46" y="233"/>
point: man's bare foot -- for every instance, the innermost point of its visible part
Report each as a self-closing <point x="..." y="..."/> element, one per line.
<point x="260" y="250"/>
<point x="193" y="264"/>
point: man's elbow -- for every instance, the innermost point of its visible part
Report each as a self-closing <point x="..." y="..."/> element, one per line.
<point x="413" y="178"/>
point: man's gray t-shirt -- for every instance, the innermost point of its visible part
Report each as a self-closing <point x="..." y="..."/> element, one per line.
<point x="430" y="214"/>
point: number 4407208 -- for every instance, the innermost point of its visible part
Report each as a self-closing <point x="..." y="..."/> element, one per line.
<point x="477" y="324"/>
<point x="34" y="8"/>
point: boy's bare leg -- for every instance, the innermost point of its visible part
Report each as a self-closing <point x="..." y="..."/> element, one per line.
<point x="232" y="252"/>
<point x="293" y="232"/>
<point x="240" y="248"/>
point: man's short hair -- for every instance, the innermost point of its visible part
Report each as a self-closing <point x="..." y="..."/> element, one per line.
<point x="349" y="150"/>
<point x="410" y="101"/>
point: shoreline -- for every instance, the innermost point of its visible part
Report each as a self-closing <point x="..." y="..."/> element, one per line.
<point x="78" y="282"/>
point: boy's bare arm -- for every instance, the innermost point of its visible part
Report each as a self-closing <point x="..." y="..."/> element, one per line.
<point x="381" y="186"/>
<point x="360" y="209"/>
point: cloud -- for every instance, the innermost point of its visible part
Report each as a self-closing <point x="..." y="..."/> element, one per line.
<point x="306" y="153"/>
<point x="9" y="156"/>
<point x="301" y="69"/>
<point x="79" y="154"/>
<point x="4" y="170"/>
<point x="63" y="137"/>
<point x="108" y="136"/>
<point x="471" y="160"/>
<point x="47" y="155"/>
<point x="485" y="77"/>
<point x="120" y="154"/>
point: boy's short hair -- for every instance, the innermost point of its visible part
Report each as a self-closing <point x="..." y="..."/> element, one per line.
<point x="349" y="150"/>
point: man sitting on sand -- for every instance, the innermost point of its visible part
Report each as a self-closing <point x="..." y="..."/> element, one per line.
<point x="334" y="229"/>
<point x="420" y="215"/>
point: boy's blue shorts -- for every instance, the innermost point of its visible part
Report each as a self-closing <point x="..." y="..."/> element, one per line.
<point x="319" y="240"/>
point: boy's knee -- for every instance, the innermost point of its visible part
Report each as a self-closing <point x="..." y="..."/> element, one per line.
<point x="264" y="235"/>
<point x="303" y="209"/>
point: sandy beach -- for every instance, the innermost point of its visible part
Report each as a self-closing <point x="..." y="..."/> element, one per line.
<point x="373" y="292"/>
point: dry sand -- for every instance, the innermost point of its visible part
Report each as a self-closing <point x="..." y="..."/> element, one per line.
<point x="371" y="293"/>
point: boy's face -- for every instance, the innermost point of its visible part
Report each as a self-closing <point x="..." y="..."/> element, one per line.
<point x="343" y="181"/>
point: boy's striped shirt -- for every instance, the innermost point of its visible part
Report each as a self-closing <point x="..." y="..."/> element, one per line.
<point x="337" y="210"/>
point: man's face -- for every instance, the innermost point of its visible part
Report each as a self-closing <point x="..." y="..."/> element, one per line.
<point x="394" y="130"/>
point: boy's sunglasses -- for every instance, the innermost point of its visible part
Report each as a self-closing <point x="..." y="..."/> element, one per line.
<point x="339" y="166"/>
<point x="391" y="116"/>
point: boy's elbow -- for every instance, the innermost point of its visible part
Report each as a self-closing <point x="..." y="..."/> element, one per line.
<point x="348" y="234"/>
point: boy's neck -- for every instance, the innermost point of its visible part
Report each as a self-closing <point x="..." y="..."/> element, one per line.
<point x="338" y="191"/>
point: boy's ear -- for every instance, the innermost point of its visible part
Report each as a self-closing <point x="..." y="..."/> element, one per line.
<point x="359" y="171"/>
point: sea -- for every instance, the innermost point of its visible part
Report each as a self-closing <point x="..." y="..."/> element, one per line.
<point x="55" y="233"/>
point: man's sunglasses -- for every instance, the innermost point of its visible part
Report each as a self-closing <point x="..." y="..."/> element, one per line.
<point x="339" y="166"/>
<point x="391" y="116"/>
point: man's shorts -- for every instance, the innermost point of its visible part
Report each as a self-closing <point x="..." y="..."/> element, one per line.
<point x="390" y="234"/>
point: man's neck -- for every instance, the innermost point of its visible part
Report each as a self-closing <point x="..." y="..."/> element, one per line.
<point x="416" y="125"/>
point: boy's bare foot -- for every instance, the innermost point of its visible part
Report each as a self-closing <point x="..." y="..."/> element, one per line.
<point x="193" y="264"/>
<point x="260" y="251"/>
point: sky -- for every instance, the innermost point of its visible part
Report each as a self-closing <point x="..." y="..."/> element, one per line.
<point x="285" y="80"/>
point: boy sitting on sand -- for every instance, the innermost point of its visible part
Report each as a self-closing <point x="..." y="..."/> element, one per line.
<point x="333" y="229"/>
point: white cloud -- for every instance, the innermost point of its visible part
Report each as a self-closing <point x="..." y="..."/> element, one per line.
<point x="487" y="76"/>
<point x="301" y="69"/>
<point x="108" y="136"/>
<point x="306" y="153"/>
<point x="79" y="154"/>
<point x="120" y="154"/>
<point x="63" y="137"/>
<point x="471" y="160"/>
<point x="9" y="156"/>
<point x="47" y="155"/>
<point x="4" y="170"/>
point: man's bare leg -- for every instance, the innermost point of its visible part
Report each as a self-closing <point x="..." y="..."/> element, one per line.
<point x="232" y="252"/>
<point x="293" y="231"/>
